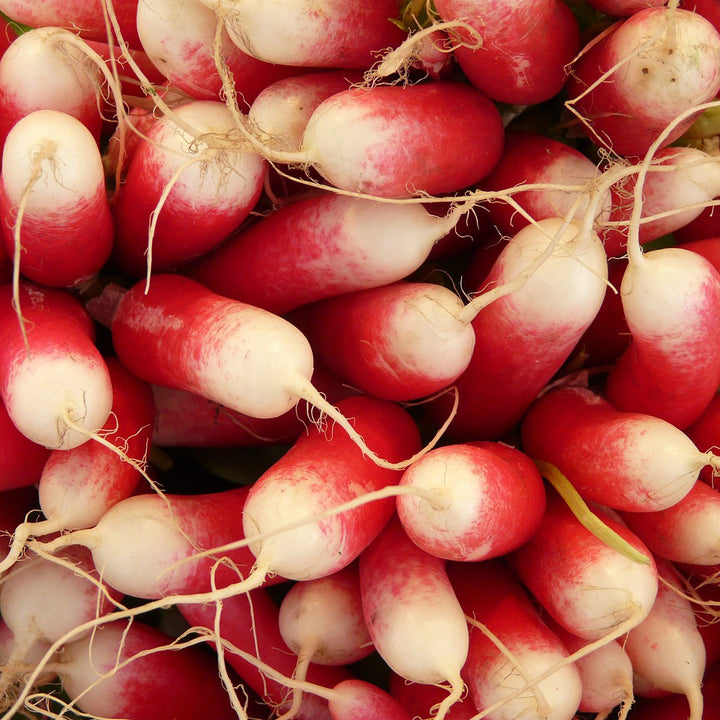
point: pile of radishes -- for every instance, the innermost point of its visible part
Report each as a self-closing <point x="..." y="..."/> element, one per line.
<point x="359" y="361"/>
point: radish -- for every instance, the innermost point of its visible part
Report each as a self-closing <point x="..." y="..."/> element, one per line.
<point x="671" y="299"/>
<point x="687" y="532"/>
<point x="179" y="36"/>
<point x="54" y="382"/>
<point x="564" y="564"/>
<point x="55" y="216"/>
<point x="642" y="73"/>
<point x="666" y="648"/>
<point x="400" y="341"/>
<point x="76" y="487"/>
<point x="705" y="433"/>
<point x="547" y="264"/>
<point x="250" y="623"/>
<point x="518" y="51"/>
<point x="321" y="247"/>
<point x="132" y="671"/>
<point x="21" y="459"/>
<point x="175" y="175"/>
<point x="510" y="647"/>
<point x="419" y="699"/>
<point x="257" y="364"/>
<point x="293" y="33"/>
<point x="479" y="500"/>
<point x="465" y="126"/>
<point x="414" y="619"/>
<point x="628" y="461"/>
<point x="312" y="479"/>
<point x="48" y="68"/>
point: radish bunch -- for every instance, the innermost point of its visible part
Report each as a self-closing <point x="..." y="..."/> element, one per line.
<point x="358" y="361"/>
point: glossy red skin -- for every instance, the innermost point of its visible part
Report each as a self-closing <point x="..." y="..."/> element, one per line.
<point x="490" y="592"/>
<point x="705" y="433"/>
<point x="510" y="505"/>
<point x="525" y="46"/>
<point x="21" y="459"/>
<point x="61" y="252"/>
<point x="169" y="685"/>
<point x="349" y="333"/>
<point x="709" y="9"/>
<point x="321" y="464"/>
<point x="556" y="556"/>
<point x="661" y="531"/>
<point x="254" y="616"/>
<point x="708" y="247"/>
<point x="358" y="700"/>
<point x="673" y="376"/>
<point x="465" y="127"/>
<point x="129" y="428"/>
<point x="705" y="225"/>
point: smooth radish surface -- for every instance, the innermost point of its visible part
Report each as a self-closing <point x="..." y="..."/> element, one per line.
<point x="356" y="699"/>
<point x="666" y="648"/>
<point x="671" y="300"/>
<point x="47" y="69"/>
<point x="480" y="500"/>
<point x="361" y="140"/>
<point x="564" y="566"/>
<point x="687" y="532"/>
<point x="659" y="62"/>
<point x="53" y="200"/>
<point x="510" y="646"/>
<point x="319" y="247"/>
<point x="522" y="338"/>
<point x="415" y="621"/>
<point x="59" y="380"/>
<point x="179" y="37"/>
<point x="517" y="51"/>
<point x="705" y="433"/>
<point x="401" y="341"/>
<point x="109" y="677"/>
<point x="182" y="174"/>
<point x="628" y="461"/>
<point x="293" y="33"/>
<point x="21" y="459"/>
<point x="312" y="478"/>
<point x="418" y="699"/>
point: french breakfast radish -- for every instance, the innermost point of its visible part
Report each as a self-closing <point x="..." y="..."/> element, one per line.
<point x="628" y="461"/>
<point x="320" y="247"/>
<point x="21" y="459"/>
<point x="414" y="619"/>
<point x="479" y="500"/>
<point x="56" y="388"/>
<point x="551" y="262"/>
<point x="55" y="215"/>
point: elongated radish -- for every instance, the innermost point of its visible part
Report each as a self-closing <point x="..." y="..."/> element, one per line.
<point x="539" y="316"/>
<point x="257" y="363"/>
<point x="666" y="648"/>
<point x="518" y="51"/>
<point x="355" y="699"/>
<point x="322" y="621"/>
<point x="179" y="37"/>
<point x="250" y="623"/>
<point x="293" y="33"/>
<point x="687" y="532"/>
<point x="132" y="671"/>
<point x="705" y="433"/>
<point x="25" y="83"/>
<point x="312" y="478"/>
<point x="174" y="176"/>
<point x="21" y="459"/>
<point x="320" y="247"/>
<point x="399" y="342"/>
<point x="480" y="500"/>
<point x="628" y="461"/>
<point x="353" y="139"/>
<point x="55" y="216"/>
<point x="419" y="699"/>
<point x="671" y="299"/>
<point x="590" y="589"/>
<point x="414" y="618"/>
<point x="641" y="74"/>
<point x="58" y="381"/>
<point x="510" y="646"/>
<point x="144" y="545"/>
<point x="76" y="487"/>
